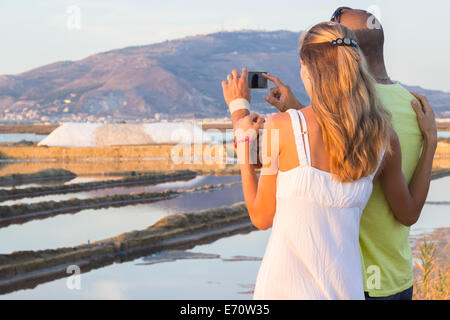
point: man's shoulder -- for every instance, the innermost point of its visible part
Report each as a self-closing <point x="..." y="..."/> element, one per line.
<point x="396" y="89"/>
<point x="397" y="100"/>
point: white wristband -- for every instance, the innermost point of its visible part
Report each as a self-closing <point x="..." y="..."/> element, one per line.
<point x="239" y="104"/>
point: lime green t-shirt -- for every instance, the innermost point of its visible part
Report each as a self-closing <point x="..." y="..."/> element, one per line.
<point x="384" y="241"/>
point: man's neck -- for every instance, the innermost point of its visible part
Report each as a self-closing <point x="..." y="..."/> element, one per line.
<point x="378" y="70"/>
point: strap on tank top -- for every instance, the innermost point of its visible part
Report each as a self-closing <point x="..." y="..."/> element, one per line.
<point x="306" y="136"/>
<point x="303" y="153"/>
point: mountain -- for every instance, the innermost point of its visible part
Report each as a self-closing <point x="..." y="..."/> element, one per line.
<point x="175" y="79"/>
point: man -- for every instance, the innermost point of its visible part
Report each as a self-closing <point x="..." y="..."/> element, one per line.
<point x="384" y="241"/>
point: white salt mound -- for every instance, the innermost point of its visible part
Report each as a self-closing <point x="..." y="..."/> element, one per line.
<point x="72" y="135"/>
<point x="99" y="135"/>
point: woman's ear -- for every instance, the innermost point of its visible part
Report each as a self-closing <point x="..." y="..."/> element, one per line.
<point x="304" y="74"/>
<point x="304" y="70"/>
<point x="303" y="66"/>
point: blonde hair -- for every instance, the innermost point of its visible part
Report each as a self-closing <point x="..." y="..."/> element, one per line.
<point x="355" y="126"/>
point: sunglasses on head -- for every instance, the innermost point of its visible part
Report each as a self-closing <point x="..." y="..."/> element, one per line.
<point x="336" y="17"/>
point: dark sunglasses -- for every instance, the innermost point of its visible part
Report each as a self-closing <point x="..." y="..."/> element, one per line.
<point x="336" y="17"/>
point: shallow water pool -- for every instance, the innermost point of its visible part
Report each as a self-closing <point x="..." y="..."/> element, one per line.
<point x="172" y="185"/>
<point x="224" y="269"/>
<point x="93" y="225"/>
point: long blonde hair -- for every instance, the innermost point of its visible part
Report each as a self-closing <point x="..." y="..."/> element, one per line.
<point x="355" y="126"/>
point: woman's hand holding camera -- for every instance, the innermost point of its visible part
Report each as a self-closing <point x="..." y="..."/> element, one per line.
<point x="236" y="87"/>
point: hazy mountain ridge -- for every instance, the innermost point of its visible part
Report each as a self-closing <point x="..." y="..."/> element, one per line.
<point x="181" y="78"/>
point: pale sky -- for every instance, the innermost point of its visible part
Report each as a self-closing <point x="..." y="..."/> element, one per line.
<point x="39" y="32"/>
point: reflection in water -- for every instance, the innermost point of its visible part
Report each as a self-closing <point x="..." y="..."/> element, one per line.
<point x="93" y="225"/>
<point x="443" y="134"/>
<point x="434" y="216"/>
<point x="242" y="258"/>
<point x="16" y="137"/>
<point x="181" y="279"/>
<point x="22" y="186"/>
<point x="173" y="185"/>
<point x="171" y="256"/>
<point x="439" y="190"/>
<point x="56" y="182"/>
<point x="225" y="278"/>
<point x="174" y="255"/>
<point x="81" y="179"/>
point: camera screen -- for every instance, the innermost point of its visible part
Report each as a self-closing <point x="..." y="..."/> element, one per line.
<point x="256" y="80"/>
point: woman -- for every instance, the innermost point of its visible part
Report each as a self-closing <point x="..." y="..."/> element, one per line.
<point x="328" y="156"/>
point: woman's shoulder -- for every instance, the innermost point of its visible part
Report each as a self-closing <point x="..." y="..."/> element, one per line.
<point x="278" y="120"/>
<point x="282" y="119"/>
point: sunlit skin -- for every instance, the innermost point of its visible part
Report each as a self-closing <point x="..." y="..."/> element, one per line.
<point x="260" y="195"/>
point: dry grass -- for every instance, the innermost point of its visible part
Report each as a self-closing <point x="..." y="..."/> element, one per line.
<point x="442" y="157"/>
<point x="443" y="148"/>
<point x="432" y="269"/>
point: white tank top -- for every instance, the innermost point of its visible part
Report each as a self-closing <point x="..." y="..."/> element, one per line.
<point x="313" y="250"/>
